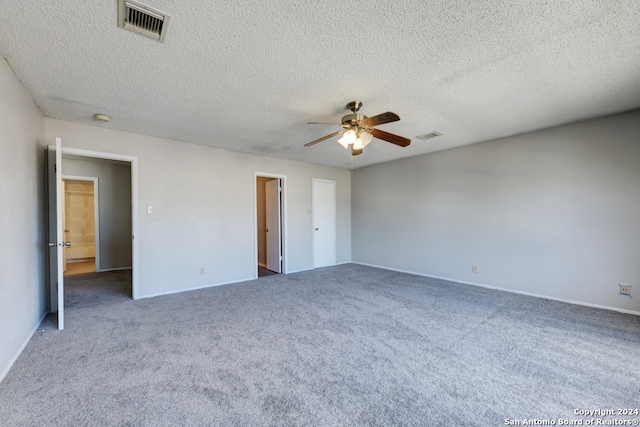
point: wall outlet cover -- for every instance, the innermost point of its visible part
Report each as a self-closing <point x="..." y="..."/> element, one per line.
<point x="625" y="289"/>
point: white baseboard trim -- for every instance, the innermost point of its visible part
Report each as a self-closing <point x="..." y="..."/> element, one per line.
<point x="299" y="271"/>
<point x="313" y="268"/>
<point x="531" y="294"/>
<point x="102" y="270"/>
<point x="179" y="291"/>
<point x="21" y="349"/>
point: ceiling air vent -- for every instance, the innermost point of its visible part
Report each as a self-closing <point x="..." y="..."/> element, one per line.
<point x="142" y="19"/>
<point x="429" y="135"/>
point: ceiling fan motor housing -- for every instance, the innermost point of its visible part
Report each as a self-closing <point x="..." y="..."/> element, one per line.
<point x="353" y="119"/>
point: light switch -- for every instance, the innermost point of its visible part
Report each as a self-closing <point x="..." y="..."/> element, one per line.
<point x="150" y="209"/>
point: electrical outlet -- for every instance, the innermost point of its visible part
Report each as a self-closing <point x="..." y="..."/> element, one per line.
<point x="625" y="290"/>
<point x="202" y="271"/>
<point x="474" y="268"/>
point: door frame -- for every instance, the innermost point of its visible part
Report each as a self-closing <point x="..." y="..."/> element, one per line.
<point x="273" y="205"/>
<point x="96" y="210"/>
<point x="283" y="219"/>
<point x="133" y="160"/>
<point x="313" y="219"/>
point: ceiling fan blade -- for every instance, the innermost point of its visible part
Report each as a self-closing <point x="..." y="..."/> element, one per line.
<point x="380" y="119"/>
<point x="389" y="137"/>
<point x="309" y="144"/>
<point x="355" y="152"/>
<point x="323" y="123"/>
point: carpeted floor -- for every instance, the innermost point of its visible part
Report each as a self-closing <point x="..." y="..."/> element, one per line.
<point x="346" y="345"/>
<point x="263" y="272"/>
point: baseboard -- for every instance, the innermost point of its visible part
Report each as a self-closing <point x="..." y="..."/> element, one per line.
<point x="178" y="291"/>
<point x="212" y="285"/>
<point x="298" y="271"/>
<point x="102" y="270"/>
<point x="312" y="268"/>
<point x="513" y="291"/>
<point x="75" y="260"/>
<point x="21" y="349"/>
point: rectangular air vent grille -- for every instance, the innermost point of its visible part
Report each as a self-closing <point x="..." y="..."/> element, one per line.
<point x="429" y="135"/>
<point x="142" y="19"/>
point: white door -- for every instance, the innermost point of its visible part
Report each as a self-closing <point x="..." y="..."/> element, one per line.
<point x="65" y="226"/>
<point x="324" y="223"/>
<point x="272" y="213"/>
<point x="56" y="241"/>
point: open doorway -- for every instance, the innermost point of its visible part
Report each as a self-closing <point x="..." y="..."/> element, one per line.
<point x="80" y="223"/>
<point x="97" y="226"/>
<point x="269" y="225"/>
<point x="124" y="216"/>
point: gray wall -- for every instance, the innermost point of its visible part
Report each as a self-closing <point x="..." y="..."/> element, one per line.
<point x="553" y="213"/>
<point x="22" y="213"/>
<point x="205" y="207"/>
<point x="114" y="202"/>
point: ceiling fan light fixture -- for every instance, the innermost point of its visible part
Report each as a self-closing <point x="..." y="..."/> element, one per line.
<point x="358" y="130"/>
<point x="366" y="138"/>
<point x="348" y="138"/>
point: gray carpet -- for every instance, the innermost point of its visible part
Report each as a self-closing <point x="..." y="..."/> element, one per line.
<point x="263" y="272"/>
<point x="347" y="345"/>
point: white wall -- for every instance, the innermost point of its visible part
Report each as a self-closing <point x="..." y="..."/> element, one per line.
<point x="22" y="261"/>
<point x="114" y="194"/>
<point x="554" y="212"/>
<point x="204" y="207"/>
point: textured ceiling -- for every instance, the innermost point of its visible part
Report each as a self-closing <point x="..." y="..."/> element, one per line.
<point x="248" y="75"/>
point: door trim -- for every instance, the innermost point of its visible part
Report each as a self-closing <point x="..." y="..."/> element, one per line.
<point x="283" y="220"/>
<point x="59" y="235"/>
<point x="96" y="210"/>
<point x="273" y="189"/>
<point x="133" y="160"/>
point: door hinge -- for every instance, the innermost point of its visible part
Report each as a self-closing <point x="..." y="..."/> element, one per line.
<point x="55" y="168"/>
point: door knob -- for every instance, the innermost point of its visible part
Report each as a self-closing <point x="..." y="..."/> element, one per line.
<point x="266" y="230"/>
<point x="67" y="243"/>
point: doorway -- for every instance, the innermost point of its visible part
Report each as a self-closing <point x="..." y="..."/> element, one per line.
<point x="55" y="170"/>
<point x="80" y="223"/>
<point x="269" y="224"/>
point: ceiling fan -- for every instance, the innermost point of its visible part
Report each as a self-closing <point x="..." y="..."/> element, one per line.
<point x="358" y="130"/>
